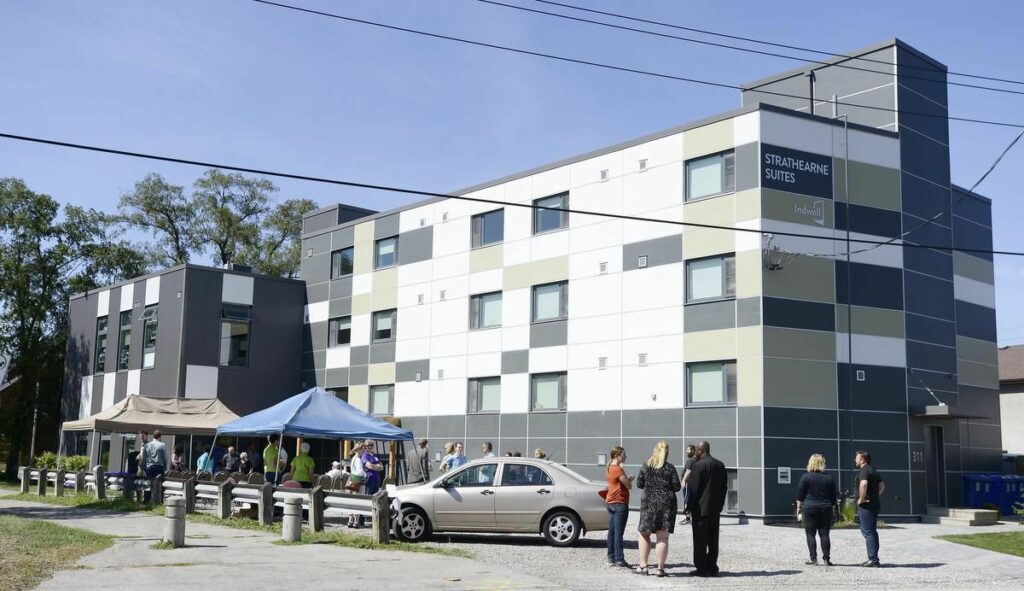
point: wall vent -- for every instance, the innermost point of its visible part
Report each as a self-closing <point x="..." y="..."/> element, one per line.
<point x="643" y="165"/>
<point x="444" y="293"/>
<point x="440" y="374"/>
<point x="419" y="299"/>
<point x="423" y="222"/>
<point x="861" y="375"/>
<point x="604" y="175"/>
<point x="641" y="359"/>
<point x="602" y="363"/>
<point x="641" y="262"/>
<point x="602" y="268"/>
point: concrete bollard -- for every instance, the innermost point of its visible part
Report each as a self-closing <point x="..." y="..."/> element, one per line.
<point x="381" y="515"/>
<point x="291" y="526"/>
<point x="188" y="490"/>
<point x="101" y="482"/>
<point x="79" y="481"/>
<point x="224" y="499"/>
<point x="41" y="483"/>
<point x="316" y="509"/>
<point x="58" y="484"/>
<point x="128" y="487"/>
<point x="174" y="521"/>
<point x="26" y="478"/>
<point x="266" y="504"/>
<point x="156" y="489"/>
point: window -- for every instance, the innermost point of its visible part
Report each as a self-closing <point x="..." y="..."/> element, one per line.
<point x="342" y="261"/>
<point x="234" y="335"/>
<point x="711" y="383"/>
<point x="124" y="340"/>
<point x="382" y="400"/>
<point x="339" y="393"/>
<point x="384" y="325"/>
<point x="547" y="391"/>
<point x="149" y="322"/>
<point x="524" y="475"/>
<point x="339" y="331"/>
<point x="482" y="475"/>
<point x="101" y="344"/>
<point x="485" y="310"/>
<point x="732" y="497"/>
<point x="488" y="228"/>
<point x="545" y="220"/>
<point x="711" y="175"/>
<point x="712" y="278"/>
<point x="550" y="301"/>
<point x="485" y="395"/>
<point x="386" y="253"/>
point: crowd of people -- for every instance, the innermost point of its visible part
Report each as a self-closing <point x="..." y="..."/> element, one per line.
<point x="704" y="483"/>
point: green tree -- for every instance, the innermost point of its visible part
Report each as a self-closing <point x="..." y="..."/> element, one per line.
<point x="277" y="248"/>
<point x="162" y="209"/>
<point x="230" y="207"/>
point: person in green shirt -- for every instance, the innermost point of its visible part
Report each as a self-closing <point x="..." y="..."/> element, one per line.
<point x="303" y="467"/>
<point x="271" y="455"/>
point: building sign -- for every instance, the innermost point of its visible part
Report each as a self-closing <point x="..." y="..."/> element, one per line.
<point x="815" y="211"/>
<point x="796" y="171"/>
<point x="784" y="475"/>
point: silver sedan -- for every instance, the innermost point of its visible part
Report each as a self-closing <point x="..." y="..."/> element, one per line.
<point x="504" y="495"/>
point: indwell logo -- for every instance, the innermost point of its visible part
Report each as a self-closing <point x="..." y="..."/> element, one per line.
<point x="815" y="211"/>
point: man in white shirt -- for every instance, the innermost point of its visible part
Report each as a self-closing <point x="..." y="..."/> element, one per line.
<point x="488" y="449"/>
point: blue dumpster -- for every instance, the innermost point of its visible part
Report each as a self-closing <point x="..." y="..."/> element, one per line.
<point x="980" y="490"/>
<point x="1011" y="490"/>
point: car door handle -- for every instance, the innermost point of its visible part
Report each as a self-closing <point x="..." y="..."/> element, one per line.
<point x="487" y="492"/>
<point x="543" y="491"/>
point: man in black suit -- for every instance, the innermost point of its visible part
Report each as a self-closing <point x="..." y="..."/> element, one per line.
<point x="709" y="483"/>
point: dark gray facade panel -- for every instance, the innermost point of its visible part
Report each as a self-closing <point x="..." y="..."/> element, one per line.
<point x="867" y="114"/>
<point x="870" y="285"/>
<point x="385" y="227"/>
<point x="314" y="360"/>
<point x="320" y="221"/>
<point x="416" y="246"/>
<point x="343" y="238"/>
<point x="317" y="268"/>
<point x="585" y="451"/>
<point x="547" y="424"/>
<point x="883" y="388"/>
<point x="968" y="235"/>
<point x="336" y="377"/>
<point x="748" y="312"/>
<point x="925" y="200"/>
<point x="872" y="426"/>
<point x="549" y="334"/>
<point x="358" y="375"/>
<point x="931" y="330"/>
<point x="930" y="262"/>
<point x="748" y="419"/>
<point x="709" y="422"/>
<point x="80" y="353"/>
<point x="928" y="295"/>
<point x="515" y="361"/>
<point x="638" y="449"/>
<point x="418" y="426"/>
<point x="931" y="357"/>
<point x="979" y="401"/>
<point x="723" y="448"/>
<point x="359" y="355"/>
<point x="120" y="386"/>
<point x="798" y="314"/>
<point x="748" y="452"/>
<point x="931" y="121"/>
<point x="482" y="426"/>
<point x="341" y="288"/>
<point x="97" y="393"/>
<point x="924" y="157"/>
<point x="513" y="425"/>
<point x="970" y="208"/>
<point x="652" y="423"/>
<point x="921" y="75"/>
<point x="600" y="423"/>
<point x="319" y="244"/>
<point x="166" y="378"/>
<point x="309" y="377"/>
<point x="553" y="448"/>
<point x="339" y="308"/>
<point x="317" y="336"/>
<point x="659" y="251"/>
<point x="918" y="232"/>
<point x="982" y="460"/>
<point x="516" y="444"/>
<point x="709" y="316"/>
<point x="794" y="453"/>
<point x="868" y="220"/>
<point x="450" y="425"/>
<point x="405" y="371"/>
<point x="747" y="169"/>
<point x="382" y="352"/>
<point x="885" y="455"/>
<point x="203" y="290"/>
<point x="799" y="422"/>
<point x="317" y="292"/>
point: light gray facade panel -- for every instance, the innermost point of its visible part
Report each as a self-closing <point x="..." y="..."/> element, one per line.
<point x="747" y="169"/>
<point x="516" y="444"/>
<point x="317" y="292"/>
<point x="382" y="352"/>
<point x="748" y="419"/>
<point x="317" y="335"/>
<point x="359" y="355"/>
<point x="319" y="245"/>
<point x="357" y="375"/>
<point x="339" y="308"/>
<point x="317" y="268"/>
<point x="515" y="361"/>
<point x="586" y="451"/>
<point x="600" y="423"/>
<point x="547" y="424"/>
<point x="386" y="227"/>
<point x="659" y="251"/>
<point x="710" y="422"/>
<point x="549" y="334"/>
<point x="709" y="316"/>
<point x="748" y="451"/>
<point x="343" y="238"/>
<point x="97" y="393"/>
<point x="336" y="377"/>
<point x="416" y="245"/>
<point x="554" y="449"/>
<point x="314" y="360"/>
<point x="748" y="491"/>
<point x="483" y="427"/>
<point x="453" y="426"/>
<point x="513" y="425"/>
<point x="341" y="288"/>
<point x="405" y="371"/>
<point x="320" y="220"/>
<point x="748" y="312"/>
<point x="652" y="423"/>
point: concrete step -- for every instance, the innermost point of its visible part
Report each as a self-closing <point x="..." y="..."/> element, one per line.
<point x="960" y="516"/>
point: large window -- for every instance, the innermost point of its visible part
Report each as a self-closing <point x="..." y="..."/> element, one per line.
<point x="551" y="301"/>
<point x="383" y="328"/>
<point x="342" y="261"/>
<point x="382" y="400"/>
<point x="339" y="331"/>
<point x="548" y="391"/>
<point x="488" y="228"/>
<point x="545" y="220"/>
<point x="101" y="344"/>
<point x="386" y="254"/>
<point x="713" y="278"/>
<point x="124" y="340"/>
<point x="485" y="394"/>
<point x="149" y="322"/>
<point x="711" y="175"/>
<point x="485" y="310"/>
<point x="732" y="496"/>
<point x="711" y="383"/>
<point x="234" y="335"/>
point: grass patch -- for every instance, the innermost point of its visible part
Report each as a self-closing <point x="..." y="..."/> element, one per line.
<point x="9" y="485"/>
<point x="82" y="500"/>
<point x="365" y="543"/>
<point x="163" y="545"/>
<point x="33" y="550"/>
<point x="1004" y="542"/>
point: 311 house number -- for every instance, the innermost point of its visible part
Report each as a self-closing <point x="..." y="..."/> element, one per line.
<point x="917" y="456"/>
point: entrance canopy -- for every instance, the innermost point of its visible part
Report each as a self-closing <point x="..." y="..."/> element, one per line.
<point x="174" y="416"/>
<point x="316" y="414"/>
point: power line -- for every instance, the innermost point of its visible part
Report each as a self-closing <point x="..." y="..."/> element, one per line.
<point x="770" y="43"/>
<point x="376" y="187"/>
<point x="621" y="68"/>
<point x="745" y="49"/>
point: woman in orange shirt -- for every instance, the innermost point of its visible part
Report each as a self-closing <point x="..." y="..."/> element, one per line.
<point x="617" y="502"/>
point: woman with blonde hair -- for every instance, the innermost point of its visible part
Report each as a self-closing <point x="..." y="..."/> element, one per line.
<point x="449" y="451"/>
<point x="660" y="483"/>
<point x="816" y="496"/>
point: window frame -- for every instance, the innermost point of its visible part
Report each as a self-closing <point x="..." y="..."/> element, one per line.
<point x="372" y="398"/>
<point x="336" y="269"/>
<point x="477" y="224"/>
<point x="232" y="314"/>
<point x="563" y="302"/>
<point x="376" y="253"/>
<point x="732" y="493"/>
<point x="333" y="332"/>
<point x="394" y="326"/>
<point x="729" y="384"/>
<point x="124" y="341"/>
<point x="150" y="320"/>
<point x="340" y="392"/>
<point x="563" y="220"/>
<point x="100" y="362"/>
<point x="465" y="476"/>
<point x="474" y="395"/>
<point x="726" y="189"/>
<point x="507" y="467"/>
<point x="728" y="265"/>
<point x="563" y="391"/>
<point x="476" y="309"/>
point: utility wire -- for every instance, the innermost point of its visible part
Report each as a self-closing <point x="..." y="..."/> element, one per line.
<point x="770" y="43"/>
<point x="622" y="68"/>
<point x="749" y="50"/>
<point x="376" y="187"/>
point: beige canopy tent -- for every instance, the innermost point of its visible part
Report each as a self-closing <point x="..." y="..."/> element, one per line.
<point x="173" y="416"/>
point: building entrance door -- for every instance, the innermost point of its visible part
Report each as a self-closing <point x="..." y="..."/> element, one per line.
<point x="935" y="465"/>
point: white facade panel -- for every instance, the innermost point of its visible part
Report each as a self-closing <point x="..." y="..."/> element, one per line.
<point x="237" y="289"/>
<point x="653" y="190"/>
<point x="448" y="396"/>
<point x="361" y="328"/>
<point x="362" y="283"/>
<point x="485" y="341"/>
<point x="973" y="291"/>
<point x="317" y="312"/>
<point x="873" y="149"/>
<point x="134" y="381"/>
<point x="486" y="281"/>
<point x="337" y="357"/>
<point x="109" y="381"/>
<point x="592" y="389"/>
<point x="85" y="398"/>
<point x="655" y="287"/>
<point x="594" y="329"/>
<point x="666" y="151"/>
<point x="416" y="218"/>
<point x="103" y="303"/>
<point x="654" y="386"/>
<point x="515" y="338"/>
<point x="409" y="296"/>
<point x="449" y="345"/>
<point x="549" y="359"/>
<point x="495" y="193"/>
<point x="659" y="350"/>
<point x="597" y="197"/>
<point x="448" y="317"/>
<point x="415" y="273"/>
<point x="516" y="252"/>
<point x="549" y="244"/>
<point x="200" y="381"/>
<point x="414" y="322"/>
<point x="600" y="235"/>
<point x="637" y="231"/>
<point x="588" y="264"/>
<point x="152" y="291"/>
<point x="518" y="223"/>
<point x="588" y="172"/>
<point x="412" y="399"/>
<point x="652" y="323"/>
<point x="451" y="237"/>
<point x="453" y="265"/>
<point x="127" y="296"/>
<point x="746" y="241"/>
<point x="886" y="256"/>
<point x="588" y="355"/>
<point x="515" y="393"/>
<point x="412" y="349"/>
<point x="515" y="307"/>
<point x="550" y="182"/>
<point x="481" y="365"/>
<point x="872" y="350"/>
<point x="584" y="301"/>
<point x="453" y="288"/>
<point x="746" y="128"/>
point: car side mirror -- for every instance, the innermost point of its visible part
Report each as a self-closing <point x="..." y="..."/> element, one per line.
<point x="444" y="483"/>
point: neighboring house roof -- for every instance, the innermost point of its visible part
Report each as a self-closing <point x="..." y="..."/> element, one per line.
<point x="1011" y="364"/>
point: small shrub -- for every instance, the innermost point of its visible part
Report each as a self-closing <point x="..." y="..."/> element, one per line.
<point x="1018" y="510"/>
<point x="848" y="510"/>
<point x="75" y="463"/>
<point x="46" y="461"/>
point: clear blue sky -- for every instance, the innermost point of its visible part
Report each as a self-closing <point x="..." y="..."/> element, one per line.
<point x="243" y="83"/>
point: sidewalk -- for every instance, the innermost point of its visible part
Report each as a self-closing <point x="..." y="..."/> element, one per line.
<point x="241" y="559"/>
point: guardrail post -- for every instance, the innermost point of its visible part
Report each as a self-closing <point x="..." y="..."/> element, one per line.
<point x="58" y="484"/>
<point x="381" y="515"/>
<point x="26" y="478"/>
<point x="174" y="521"/>
<point x="188" y="491"/>
<point x="156" y="489"/>
<point x="41" y="483"/>
<point x="316" y="508"/>
<point x="128" y="487"/>
<point x="266" y="504"/>
<point x="224" y="499"/>
<point x="101" y="482"/>
<point x="291" y="525"/>
<point x="79" y="481"/>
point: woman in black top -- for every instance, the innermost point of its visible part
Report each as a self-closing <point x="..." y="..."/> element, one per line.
<point x="660" y="483"/>
<point x="816" y="497"/>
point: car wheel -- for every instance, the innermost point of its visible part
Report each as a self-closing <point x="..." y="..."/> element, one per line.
<point x="413" y="525"/>
<point x="561" y="528"/>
